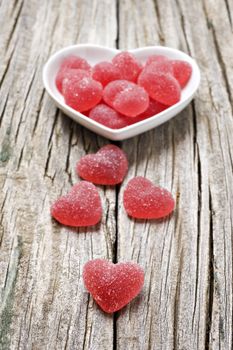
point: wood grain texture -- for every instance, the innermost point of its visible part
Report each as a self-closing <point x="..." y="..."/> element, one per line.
<point x="187" y="299"/>
<point x="186" y="302"/>
<point x="43" y="301"/>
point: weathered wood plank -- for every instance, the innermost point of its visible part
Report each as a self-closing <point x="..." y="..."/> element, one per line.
<point x="187" y="299"/>
<point x="43" y="301"/>
<point x="186" y="302"/>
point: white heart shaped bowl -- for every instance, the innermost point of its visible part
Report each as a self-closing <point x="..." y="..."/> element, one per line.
<point x="94" y="54"/>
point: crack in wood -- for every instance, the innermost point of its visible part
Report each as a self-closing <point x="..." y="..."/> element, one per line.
<point x="220" y="59"/>
<point x="4" y="109"/>
<point x="53" y="127"/>
<point x="28" y="91"/>
<point x="182" y="21"/>
<point x="4" y="199"/>
<point x="199" y="211"/>
<point x="161" y="34"/>
<point x="7" y="68"/>
<point x="67" y="164"/>
<point x="228" y="12"/>
<point x="20" y="157"/>
<point x="39" y="112"/>
<point x="47" y="161"/>
<point x="86" y="322"/>
<point x="17" y="17"/>
<point x="176" y="306"/>
<point x="118" y="23"/>
<point x="209" y="314"/>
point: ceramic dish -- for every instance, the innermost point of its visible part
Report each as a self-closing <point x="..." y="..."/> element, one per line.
<point x="94" y="54"/>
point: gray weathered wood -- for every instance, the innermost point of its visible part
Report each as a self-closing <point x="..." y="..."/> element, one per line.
<point x="187" y="299"/>
<point x="186" y="302"/>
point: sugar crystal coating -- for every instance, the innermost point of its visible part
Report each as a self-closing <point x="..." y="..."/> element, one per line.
<point x="126" y="97"/>
<point x="105" y="72"/>
<point x="112" y="286"/>
<point x="80" y="207"/>
<point x="128" y="66"/>
<point x="107" y="167"/>
<point x="160" y="67"/>
<point x="131" y="102"/>
<point x="75" y="62"/>
<point x="182" y="71"/>
<point x="156" y="58"/>
<point x="115" y="87"/>
<point x="82" y="94"/>
<point x="107" y="116"/>
<point x="163" y="88"/>
<point x="143" y="200"/>
<point x="70" y="73"/>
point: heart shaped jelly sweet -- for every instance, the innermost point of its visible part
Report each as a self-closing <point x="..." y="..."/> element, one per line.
<point x="107" y="167"/>
<point x="112" y="285"/>
<point x="80" y="207"/>
<point x="143" y="200"/>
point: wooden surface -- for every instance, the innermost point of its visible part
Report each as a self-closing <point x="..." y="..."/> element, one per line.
<point x="186" y="302"/>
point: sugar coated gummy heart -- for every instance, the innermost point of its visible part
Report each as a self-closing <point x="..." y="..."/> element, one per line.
<point x="143" y="200"/>
<point x="80" y="207"/>
<point x="82" y="94"/>
<point x="105" y="72"/>
<point x="75" y="62"/>
<point x="163" y="88"/>
<point x="128" y="66"/>
<point x="107" y="167"/>
<point x="113" y="89"/>
<point x="126" y="97"/>
<point x="182" y="71"/>
<point x="131" y="102"/>
<point x="112" y="286"/>
<point x="107" y="116"/>
<point x="70" y="73"/>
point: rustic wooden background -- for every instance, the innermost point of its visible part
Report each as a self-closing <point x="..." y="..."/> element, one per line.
<point x="186" y="302"/>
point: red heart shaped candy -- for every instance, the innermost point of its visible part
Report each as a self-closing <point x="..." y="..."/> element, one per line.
<point x="80" y="207"/>
<point x="143" y="200"/>
<point x="182" y="71"/>
<point x="112" y="285"/>
<point x="107" y="167"/>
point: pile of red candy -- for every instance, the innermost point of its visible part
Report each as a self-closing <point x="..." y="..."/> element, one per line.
<point x="122" y="92"/>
